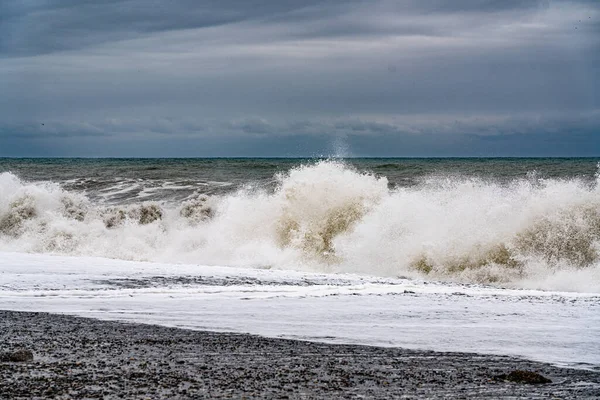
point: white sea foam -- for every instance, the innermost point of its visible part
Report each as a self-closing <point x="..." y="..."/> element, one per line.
<point x="560" y="328"/>
<point x="328" y="217"/>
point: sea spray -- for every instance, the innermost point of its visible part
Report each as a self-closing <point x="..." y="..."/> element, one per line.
<point x="329" y="216"/>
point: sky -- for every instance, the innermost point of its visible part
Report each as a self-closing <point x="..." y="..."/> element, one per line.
<point x="286" y="78"/>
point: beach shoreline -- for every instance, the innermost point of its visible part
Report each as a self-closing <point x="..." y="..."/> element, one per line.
<point x="77" y="357"/>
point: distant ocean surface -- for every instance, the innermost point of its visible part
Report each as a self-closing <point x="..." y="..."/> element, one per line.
<point x="127" y="180"/>
<point x="531" y="223"/>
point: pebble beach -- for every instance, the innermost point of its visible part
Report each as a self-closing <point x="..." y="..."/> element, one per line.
<point x="81" y="358"/>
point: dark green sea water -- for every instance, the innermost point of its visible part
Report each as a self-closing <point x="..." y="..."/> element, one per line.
<point x="124" y="180"/>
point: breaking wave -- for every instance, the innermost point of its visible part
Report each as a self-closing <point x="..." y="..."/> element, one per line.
<point x="330" y="217"/>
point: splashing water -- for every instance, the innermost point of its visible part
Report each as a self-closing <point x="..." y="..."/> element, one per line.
<point x="330" y="217"/>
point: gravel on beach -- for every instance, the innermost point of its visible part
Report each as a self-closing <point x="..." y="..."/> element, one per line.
<point x="79" y="358"/>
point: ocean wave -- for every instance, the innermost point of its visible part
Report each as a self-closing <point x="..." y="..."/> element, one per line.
<point x="327" y="216"/>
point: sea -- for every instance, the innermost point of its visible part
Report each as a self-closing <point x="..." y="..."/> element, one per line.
<point x="496" y="256"/>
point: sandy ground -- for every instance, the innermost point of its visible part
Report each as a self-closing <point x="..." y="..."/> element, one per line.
<point x="85" y="358"/>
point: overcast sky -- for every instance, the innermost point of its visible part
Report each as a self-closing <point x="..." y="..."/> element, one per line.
<point x="299" y="78"/>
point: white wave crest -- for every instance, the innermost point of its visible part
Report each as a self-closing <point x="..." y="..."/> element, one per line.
<point x="329" y="217"/>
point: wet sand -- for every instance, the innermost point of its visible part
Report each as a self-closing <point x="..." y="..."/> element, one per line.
<point x="85" y="358"/>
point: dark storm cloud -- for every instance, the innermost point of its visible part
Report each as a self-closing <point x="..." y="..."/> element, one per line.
<point x="128" y="75"/>
<point x="57" y="130"/>
<point x="39" y="27"/>
<point x="485" y="127"/>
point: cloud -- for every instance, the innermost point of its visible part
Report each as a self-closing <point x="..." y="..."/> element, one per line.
<point x="483" y="126"/>
<point x="41" y="27"/>
<point x="145" y="70"/>
<point x="51" y="130"/>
